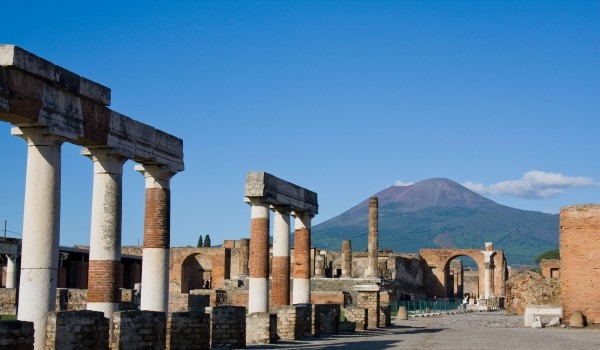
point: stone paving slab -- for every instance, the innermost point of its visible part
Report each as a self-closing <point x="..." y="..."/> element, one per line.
<point x="479" y="330"/>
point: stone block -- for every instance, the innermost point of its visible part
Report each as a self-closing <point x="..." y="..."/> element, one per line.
<point x="83" y="329"/>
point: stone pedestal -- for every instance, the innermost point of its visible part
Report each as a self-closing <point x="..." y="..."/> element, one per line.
<point x="368" y="298"/>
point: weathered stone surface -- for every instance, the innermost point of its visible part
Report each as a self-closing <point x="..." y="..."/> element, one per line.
<point x="529" y="288"/>
<point x="275" y="191"/>
<point x="16" y="335"/>
<point x="83" y="329"/>
<point x="138" y="330"/>
<point x="188" y="330"/>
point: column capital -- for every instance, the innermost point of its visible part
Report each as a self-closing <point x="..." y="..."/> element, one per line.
<point x="105" y="159"/>
<point x="38" y="136"/>
<point x="281" y="209"/>
<point x="488" y="255"/>
<point x="157" y="176"/>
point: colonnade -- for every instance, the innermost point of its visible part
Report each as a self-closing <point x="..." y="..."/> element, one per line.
<point x="48" y="106"/>
<point x="264" y="192"/>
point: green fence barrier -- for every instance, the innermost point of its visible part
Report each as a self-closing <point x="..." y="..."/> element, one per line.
<point x="428" y="306"/>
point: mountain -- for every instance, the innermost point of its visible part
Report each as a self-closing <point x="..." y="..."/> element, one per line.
<point x="440" y="213"/>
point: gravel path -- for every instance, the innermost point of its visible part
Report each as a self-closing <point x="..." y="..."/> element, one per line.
<point x="479" y="330"/>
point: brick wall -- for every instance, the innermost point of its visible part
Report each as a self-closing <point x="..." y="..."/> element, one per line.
<point x="333" y="297"/>
<point x="550" y="268"/>
<point x="579" y="247"/>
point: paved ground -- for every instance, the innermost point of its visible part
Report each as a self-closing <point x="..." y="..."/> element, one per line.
<point x="479" y="330"/>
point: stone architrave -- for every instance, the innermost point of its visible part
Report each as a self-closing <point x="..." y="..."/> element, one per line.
<point x="41" y="229"/>
<point x="105" y="237"/>
<point x="373" y="246"/>
<point x="157" y="232"/>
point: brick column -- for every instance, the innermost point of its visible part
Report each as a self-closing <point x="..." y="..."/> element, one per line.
<point x="157" y="231"/>
<point x="373" y="246"/>
<point x="11" y="271"/>
<point x="105" y="236"/>
<point x="346" y="258"/>
<point x="41" y="229"/>
<point x="487" y="274"/>
<point x="280" y="269"/>
<point x="302" y="266"/>
<point x="258" y="284"/>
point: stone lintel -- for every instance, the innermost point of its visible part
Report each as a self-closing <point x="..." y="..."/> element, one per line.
<point x="367" y="288"/>
<point x="277" y="192"/>
<point x="14" y="56"/>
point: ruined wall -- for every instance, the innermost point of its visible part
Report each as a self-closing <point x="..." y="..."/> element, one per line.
<point x="407" y="270"/>
<point x="190" y="268"/>
<point x="530" y="289"/>
<point x="332" y="297"/>
<point x="579" y="247"/>
<point x="471" y="283"/>
<point x="188" y="330"/>
<point x="138" y="330"/>
<point x="82" y="329"/>
<point x="550" y="268"/>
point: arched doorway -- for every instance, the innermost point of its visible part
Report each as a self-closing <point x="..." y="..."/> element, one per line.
<point x="462" y="277"/>
<point x="194" y="275"/>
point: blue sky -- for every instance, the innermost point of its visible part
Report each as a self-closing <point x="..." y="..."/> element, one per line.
<point x="342" y="97"/>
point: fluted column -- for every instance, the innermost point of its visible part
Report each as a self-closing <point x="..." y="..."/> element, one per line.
<point x="157" y="232"/>
<point x="487" y="274"/>
<point x="41" y="229"/>
<point x="373" y="246"/>
<point x="11" y="271"/>
<point x="105" y="232"/>
<point x="302" y="266"/>
<point x="280" y="266"/>
<point x="258" y="283"/>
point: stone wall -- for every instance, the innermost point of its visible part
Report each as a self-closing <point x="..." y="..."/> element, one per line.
<point x="228" y="326"/>
<point x="71" y="299"/>
<point x="189" y="265"/>
<point x="258" y="328"/>
<point x="369" y="299"/>
<point x="16" y="335"/>
<point x="407" y="269"/>
<point x="188" y="330"/>
<point x="326" y="319"/>
<point x="138" y="330"/>
<point x="579" y="247"/>
<point x="385" y="315"/>
<point x="76" y="330"/>
<point x="288" y="322"/>
<point x="530" y="289"/>
<point x="471" y="283"/>
<point x="358" y="315"/>
<point x="8" y="299"/>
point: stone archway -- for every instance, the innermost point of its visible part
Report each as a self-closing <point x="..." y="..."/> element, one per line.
<point x="436" y="269"/>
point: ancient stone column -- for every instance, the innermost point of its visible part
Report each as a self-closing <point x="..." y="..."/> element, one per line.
<point x="157" y="232"/>
<point x="487" y="275"/>
<point x="280" y="268"/>
<point x="105" y="235"/>
<point x="244" y="256"/>
<point x="258" y="284"/>
<point x="11" y="271"/>
<point x="41" y="229"/>
<point x="373" y="247"/>
<point x="302" y="266"/>
<point x="320" y="265"/>
<point x="346" y="258"/>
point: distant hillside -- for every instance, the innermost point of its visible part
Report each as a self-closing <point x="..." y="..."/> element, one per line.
<point x="439" y="213"/>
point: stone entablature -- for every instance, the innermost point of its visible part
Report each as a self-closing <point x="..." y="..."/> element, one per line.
<point x="36" y="92"/>
<point x="277" y="192"/>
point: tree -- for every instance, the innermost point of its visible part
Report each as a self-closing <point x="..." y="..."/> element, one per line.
<point x="206" y="241"/>
<point x="199" y="241"/>
<point x="550" y="254"/>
